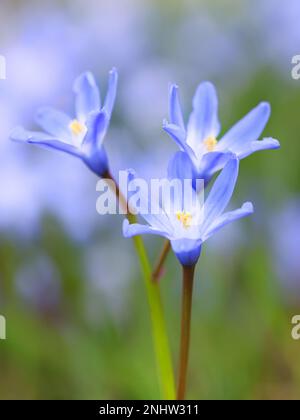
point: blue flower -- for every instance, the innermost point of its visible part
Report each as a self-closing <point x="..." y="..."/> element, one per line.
<point x="199" y="139"/>
<point x="83" y="135"/>
<point x="189" y="227"/>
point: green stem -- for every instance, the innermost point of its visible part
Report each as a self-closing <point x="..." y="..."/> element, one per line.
<point x="186" y="311"/>
<point x="161" y="342"/>
<point x="159" y="330"/>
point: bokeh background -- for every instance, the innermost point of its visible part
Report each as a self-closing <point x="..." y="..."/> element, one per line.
<point x="70" y="287"/>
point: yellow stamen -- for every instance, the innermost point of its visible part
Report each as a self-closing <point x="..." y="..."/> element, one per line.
<point x="210" y="143"/>
<point x="185" y="218"/>
<point x="76" y="127"/>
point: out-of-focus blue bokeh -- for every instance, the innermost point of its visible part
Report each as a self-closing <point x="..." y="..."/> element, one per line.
<point x="77" y="322"/>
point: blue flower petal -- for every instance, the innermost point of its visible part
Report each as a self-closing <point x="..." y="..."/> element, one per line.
<point x="111" y="92"/>
<point x="182" y="194"/>
<point x="134" y="229"/>
<point x="248" y="129"/>
<point x="42" y="139"/>
<point x="156" y="217"/>
<point x="87" y="96"/>
<point x="204" y="120"/>
<point x="176" y="132"/>
<point x="227" y="218"/>
<point x="94" y="154"/>
<point x="179" y="136"/>
<point x="54" y="122"/>
<point x="265" y="144"/>
<point x="220" y="193"/>
<point x="97" y="125"/>
<point x="97" y="161"/>
<point x="175" y="112"/>
<point x="180" y="167"/>
<point x="187" y="250"/>
<point x="211" y="163"/>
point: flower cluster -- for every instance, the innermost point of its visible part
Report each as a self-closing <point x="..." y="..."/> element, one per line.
<point x="201" y="156"/>
<point x="183" y="220"/>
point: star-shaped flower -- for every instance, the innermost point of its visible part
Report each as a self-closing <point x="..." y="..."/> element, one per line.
<point x="190" y="226"/>
<point x="83" y="135"/>
<point x="199" y="140"/>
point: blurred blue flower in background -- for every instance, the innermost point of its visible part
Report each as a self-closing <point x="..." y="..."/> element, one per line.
<point x="121" y="38"/>
<point x="199" y="140"/>
<point x="278" y="27"/>
<point x="213" y="32"/>
<point x="285" y="244"/>
<point x="110" y="285"/>
<point x="39" y="285"/>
